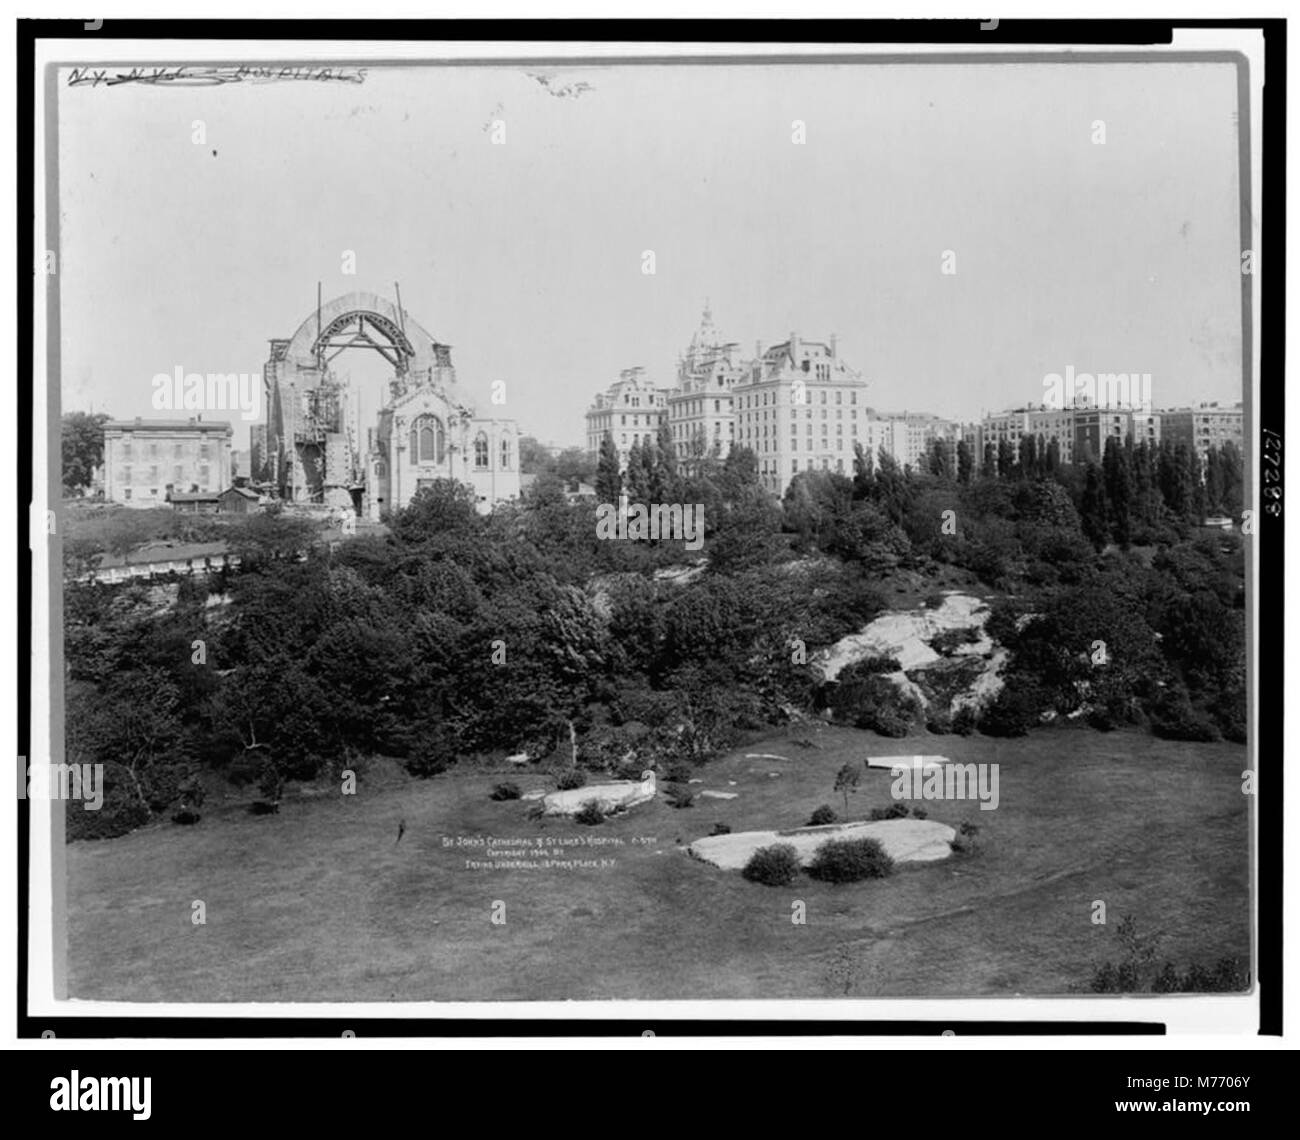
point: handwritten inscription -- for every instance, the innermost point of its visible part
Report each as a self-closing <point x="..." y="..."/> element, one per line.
<point x="1272" y="468"/>
<point x="189" y="75"/>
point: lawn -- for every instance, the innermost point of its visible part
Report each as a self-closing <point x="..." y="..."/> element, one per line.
<point x="320" y="903"/>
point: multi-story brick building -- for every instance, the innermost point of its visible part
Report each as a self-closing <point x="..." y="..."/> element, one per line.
<point x="701" y="412"/>
<point x="1093" y="426"/>
<point x="1205" y="426"/>
<point x="146" y="460"/>
<point x="800" y="408"/>
<point x="631" y="410"/>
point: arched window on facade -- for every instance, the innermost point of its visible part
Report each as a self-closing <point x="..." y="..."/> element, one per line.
<point x="505" y="455"/>
<point x="481" y="451"/>
<point x="428" y="441"/>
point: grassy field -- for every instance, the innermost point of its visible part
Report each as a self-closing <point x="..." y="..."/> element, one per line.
<point x="320" y="903"/>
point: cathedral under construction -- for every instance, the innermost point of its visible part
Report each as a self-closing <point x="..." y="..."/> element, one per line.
<point x="315" y="448"/>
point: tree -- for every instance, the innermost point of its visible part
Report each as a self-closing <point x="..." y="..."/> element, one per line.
<point x="1119" y="490"/>
<point x="1006" y="459"/>
<point x="1027" y="457"/>
<point x="83" y="448"/>
<point x="965" y="462"/>
<point x="609" y="483"/>
<point x="864" y="473"/>
<point x="989" y="467"/>
<point x="940" y="459"/>
<point x="846" y="781"/>
<point x="574" y="466"/>
<point x="1092" y="510"/>
<point x="533" y="457"/>
<point x="664" y="482"/>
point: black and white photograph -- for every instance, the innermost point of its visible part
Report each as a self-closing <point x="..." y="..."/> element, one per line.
<point x="719" y="526"/>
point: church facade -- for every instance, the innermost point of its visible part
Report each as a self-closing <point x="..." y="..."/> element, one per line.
<point x="315" y="448"/>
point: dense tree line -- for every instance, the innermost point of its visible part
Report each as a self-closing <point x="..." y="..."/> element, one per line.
<point x="457" y="634"/>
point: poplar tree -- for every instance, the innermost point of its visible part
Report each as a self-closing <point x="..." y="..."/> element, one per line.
<point x="609" y="483"/>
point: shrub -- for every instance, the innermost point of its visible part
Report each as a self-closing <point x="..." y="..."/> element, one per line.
<point x="949" y="640"/>
<point x="963" y="843"/>
<point x="965" y="720"/>
<point x="938" y="722"/>
<point x="244" y="769"/>
<point x="505" y="791"/>
<point x="432" y="754"/>
<point x="874" y="702"/>
<point x="677" y="771"/>
<point x="1013" y="712"/>
<point x="589" y="814"/>
<point x="868" y="666"/>
<point x="120" y="813"/>
<point x="850" y="861"/>
<point x="896" y="810"/>
<point x="571" y="778"/>
<point x="920" y="813"/>
<point x="720" y="829"/>
<point x="1174" y="718"/>
<point x="774" y="866"/>
<point x="679" y="796"/>
<point x="270" y="783"/>
<point x="186" y="816"/>
<point x="823" y="815"/>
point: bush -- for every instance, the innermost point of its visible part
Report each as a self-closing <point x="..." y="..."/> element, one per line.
<point x="876" y="703"/>
<point x="1174" y="718"/>
<point x="774" y="866"/>
<point x="571" y="778"/>
<point x="679" y="796"/>
<point x="963" y="843"/>
<point x="949" y="640"/>
<point x="965" y="720"/>
<point x="589" y="814"/>
<point x="896" y="810"/>
<point x="823" y="815"/>
<point x="1013" y="712"/>
<point x="186" y="816"/>
<point x="869" y="666"/>
<point x="920" y="813"/>
<point x="850" y="861"/>
<point x="938" y="722"/>
<point x="505" y="791"/>
<point x="432" y="754"/>
<point x="677" y="771"/>
<point x="244" y="769"/>
<point x="720" y="829"/>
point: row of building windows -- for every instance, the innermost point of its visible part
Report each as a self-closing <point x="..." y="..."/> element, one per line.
<point x="752" y="401"/>
<point x="128" y="474"/>
<point x="151" y="451"/>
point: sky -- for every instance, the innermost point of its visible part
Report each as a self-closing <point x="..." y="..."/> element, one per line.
<point x="527" y="256"/>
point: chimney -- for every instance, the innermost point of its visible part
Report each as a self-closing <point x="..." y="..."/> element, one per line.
<point x="835" y="346"/>
<point x="758" y="349"/>
<point x="794" y="347"/>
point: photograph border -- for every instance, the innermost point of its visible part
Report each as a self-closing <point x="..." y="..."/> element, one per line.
<point x="1262" y="419"/>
